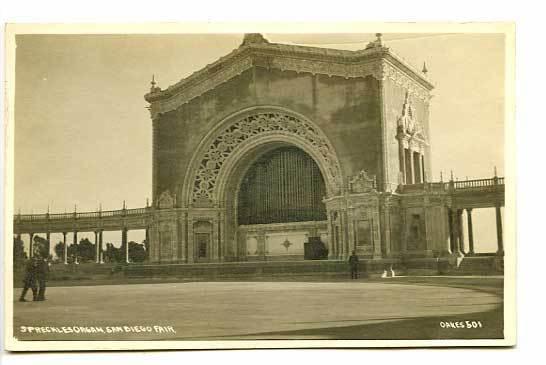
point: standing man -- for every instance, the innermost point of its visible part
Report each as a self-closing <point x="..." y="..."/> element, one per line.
<point x="29" y="282"/>
<point x="41" y="276"/>
<point x="353" y="263"/>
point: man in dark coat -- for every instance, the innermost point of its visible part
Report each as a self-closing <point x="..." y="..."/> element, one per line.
<point x="29" y="281"/>
<point x="42" y="271"/>
<point x="353" y="263"/>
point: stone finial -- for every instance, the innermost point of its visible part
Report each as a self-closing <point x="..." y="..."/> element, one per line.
<point x="377" y="43"/>
<point x="378" y="40"/>
<point x="256" y="38"/>
<point x="424" y="70"/>
<point x="153" y="87"/>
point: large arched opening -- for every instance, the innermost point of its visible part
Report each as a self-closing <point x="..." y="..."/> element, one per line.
<point x="274" y="205"/>
<point x="231" y="185"/>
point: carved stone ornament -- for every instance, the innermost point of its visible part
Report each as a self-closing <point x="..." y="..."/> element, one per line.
<point x="165" y="200"/>
<point x="362" y="183"/>
<point x="251" y="127"/>
<point x="408" y="123"/>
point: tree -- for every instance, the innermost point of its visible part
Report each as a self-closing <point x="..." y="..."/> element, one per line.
<point x="137" y="252"/>
<point x="19" y="254"/>
<point x="86" y="250"/>
<point x="73" y="250"/>
<point x="59" y="250"/>
<point x="113" y="254"/>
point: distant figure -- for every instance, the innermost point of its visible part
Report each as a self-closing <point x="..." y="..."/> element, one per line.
<point x="353" y="263"/>
<point x="29" y="281"/>
<point x="42" y="271"/>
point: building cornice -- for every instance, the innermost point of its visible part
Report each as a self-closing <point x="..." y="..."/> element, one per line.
<point x="378" y="62"/>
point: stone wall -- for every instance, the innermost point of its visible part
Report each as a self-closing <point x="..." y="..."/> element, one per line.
<point x="347" y="111"/>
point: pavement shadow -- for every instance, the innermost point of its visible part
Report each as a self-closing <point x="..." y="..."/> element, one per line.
<point x="423" y="328"/>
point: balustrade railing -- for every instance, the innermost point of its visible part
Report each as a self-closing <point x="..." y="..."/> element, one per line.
<point x="477" y="184"/>
<point x="81" y="215"/>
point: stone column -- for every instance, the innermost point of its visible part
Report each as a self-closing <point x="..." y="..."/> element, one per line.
<point x="412" y="167"/>
<point x="444" y="218"/>
<point x="403" y="232"/>
<point x="351" y="231"/>
<point x="417" y="169"/>
<point x="31" y="245"/>
<point x="211" y="251"/>
<point x="100" y="248"/>
<point x="191" y="256"/>
<point x="456" y="248"/>
<point x="65" y="249"/>
<point x="460" y="230"/>
<point x="500" y="244"/>
<point x="222" y="242"/>
<point x="148" y="247"/>
<point x="97" y="248"/>
<point x="182" y="238"/>
<point x="75" y="242"/>
<point x="330" y="228"/>
<point x="387" y="225"/>
<point x="342" y="225"/>
<point x="376" y="234"/>
<point x="260" y="238"/>
<point x="125" y="244"/>
<point x="470" y="231"/>
<point x="428" y="214"/>
<point x="402" y="157"/>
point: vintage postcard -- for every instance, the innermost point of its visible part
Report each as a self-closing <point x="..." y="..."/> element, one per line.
<point x="259" y="186"/>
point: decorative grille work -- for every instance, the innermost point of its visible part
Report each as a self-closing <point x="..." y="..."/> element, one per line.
<point x="252" y="127"/>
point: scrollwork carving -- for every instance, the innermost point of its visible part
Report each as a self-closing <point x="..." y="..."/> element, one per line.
<point x="166" y="200"/>
<point x="362" y="183"/>
<point x="250" y="127"/>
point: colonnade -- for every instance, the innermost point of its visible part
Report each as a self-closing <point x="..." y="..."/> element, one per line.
<point x="412" y="165"/>
<point x="99" y="252"/>
<point x="457" y="234"/>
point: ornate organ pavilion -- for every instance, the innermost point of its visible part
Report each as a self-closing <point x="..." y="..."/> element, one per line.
<point x="274" y="150"/>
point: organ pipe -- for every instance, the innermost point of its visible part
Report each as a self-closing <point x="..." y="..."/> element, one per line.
<point x="285" y="185"/>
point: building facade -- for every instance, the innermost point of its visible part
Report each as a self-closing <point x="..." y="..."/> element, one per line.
<point x="275" y="145"/>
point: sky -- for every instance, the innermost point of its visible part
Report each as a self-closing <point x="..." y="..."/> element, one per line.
<point x="83" y="133"/>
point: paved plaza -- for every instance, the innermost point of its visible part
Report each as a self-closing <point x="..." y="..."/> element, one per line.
<point x="268" y="310"/>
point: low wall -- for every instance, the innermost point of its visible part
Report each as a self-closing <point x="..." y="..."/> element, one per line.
<point x="478" y="265"/>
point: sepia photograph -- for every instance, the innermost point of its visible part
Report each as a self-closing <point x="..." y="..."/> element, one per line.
<point x="221" y="189"/>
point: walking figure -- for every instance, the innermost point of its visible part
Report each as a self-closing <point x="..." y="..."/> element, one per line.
<point x="353" y="263"/>
<point x="29" y="281"/>
<point x="42" y="271"/>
